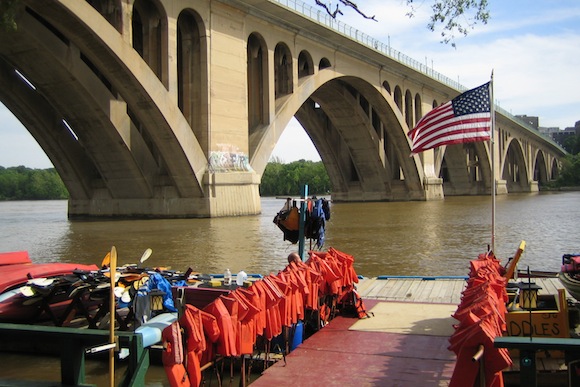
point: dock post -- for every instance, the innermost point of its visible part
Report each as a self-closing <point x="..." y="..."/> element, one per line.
<point x="139" y="362"/>
<point x="72" y="362"/>
<point x="528" y="368"/>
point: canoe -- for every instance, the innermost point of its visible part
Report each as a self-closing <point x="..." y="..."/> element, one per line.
<point x="569" y="274"/>
<point x="14" y="257"/>
<point x="34" y="292"/>
<point x="571" y="283"/>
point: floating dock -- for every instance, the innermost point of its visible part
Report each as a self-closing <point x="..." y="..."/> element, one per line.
<point x="404" y="344"/>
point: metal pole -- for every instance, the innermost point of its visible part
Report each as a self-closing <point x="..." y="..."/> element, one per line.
<point x="112" y="310"/>
<point x="492" y="154"/>
<point x="302" y="222"/>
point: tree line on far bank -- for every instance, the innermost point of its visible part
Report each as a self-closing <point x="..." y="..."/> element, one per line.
<point x="570" y="173"/>
<point x="21" y="183"/>
<point x="279" y="179"/>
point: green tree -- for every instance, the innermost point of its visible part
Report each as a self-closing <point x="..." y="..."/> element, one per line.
<point x="570" y="173"/>
<point x="572" y="144"/>
<point x="21" y="183"/>
<point x="287" y="179"/>
<point x="8" y="14"/>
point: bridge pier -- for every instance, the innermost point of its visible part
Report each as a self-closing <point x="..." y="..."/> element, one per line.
<point x="501" y="187"/>
<point x="434" y="188"/>
<point x="226" y="194"/>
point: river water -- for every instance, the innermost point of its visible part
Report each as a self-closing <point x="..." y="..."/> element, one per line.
<point x="402" y="238"/>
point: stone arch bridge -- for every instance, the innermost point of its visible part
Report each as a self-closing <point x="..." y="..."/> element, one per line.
<point x="172" y="108"/>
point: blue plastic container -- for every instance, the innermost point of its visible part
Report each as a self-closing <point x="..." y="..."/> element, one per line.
<point x="298" y="335"/>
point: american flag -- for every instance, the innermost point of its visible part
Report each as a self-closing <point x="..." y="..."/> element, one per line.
<point x="466" y="118"/>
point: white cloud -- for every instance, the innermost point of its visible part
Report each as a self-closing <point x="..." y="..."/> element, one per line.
<point x="533" y="75"/>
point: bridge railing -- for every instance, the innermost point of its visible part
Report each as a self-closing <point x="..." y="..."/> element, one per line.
<point x="320" y="16"/>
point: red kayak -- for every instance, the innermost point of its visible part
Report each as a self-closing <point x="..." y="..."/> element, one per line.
<point x="33" y="292"/>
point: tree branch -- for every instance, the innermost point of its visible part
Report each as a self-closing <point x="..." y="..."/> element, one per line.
<point x="337" y="11"/>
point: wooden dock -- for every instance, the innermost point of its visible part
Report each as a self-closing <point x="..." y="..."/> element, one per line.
<point x="342" y="355"/>
<point x="444" y="290"/>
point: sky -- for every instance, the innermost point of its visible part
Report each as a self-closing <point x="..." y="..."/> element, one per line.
<point x="533" y="48"/>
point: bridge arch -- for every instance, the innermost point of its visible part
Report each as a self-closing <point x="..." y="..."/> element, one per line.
<point x="398" y="98"/>
<point x="258" y="101"/>
<point x="555" y="170"/>
<point x="305" y="64"/>
<point x="465" y="169"/>
<point x="418" y="108"/>
<point x="149" y="29"/>
<point x="540" y="168"/>
<point x="324" y="63"/>
<point x="387" y="87"/>
<point x="132" y="145"/>
<point x="514" y="170"/>
<point x="343" y="115"/>
<point x="192" y="79"/>
<point x="408" y="112"/>
<point x="283" y="71"/>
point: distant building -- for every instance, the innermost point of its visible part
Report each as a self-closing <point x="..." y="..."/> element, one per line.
<point x="555" y="133"/>
<point x="560" y="136"/>
<point x="530" y="120"/>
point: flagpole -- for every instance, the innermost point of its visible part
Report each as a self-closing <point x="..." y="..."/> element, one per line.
<point x="492" y="152"/>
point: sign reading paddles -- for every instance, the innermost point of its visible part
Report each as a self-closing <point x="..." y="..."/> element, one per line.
<point x="541" y="322"/>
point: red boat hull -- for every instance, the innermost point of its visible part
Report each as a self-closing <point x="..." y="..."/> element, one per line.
<point x="16" y="270"/>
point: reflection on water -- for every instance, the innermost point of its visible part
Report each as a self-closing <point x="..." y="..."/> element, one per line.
<point x="403" y="238"/>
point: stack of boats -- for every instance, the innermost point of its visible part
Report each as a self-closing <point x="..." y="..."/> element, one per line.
<point x="36" y="292"/>
<point x="60" y="293"/>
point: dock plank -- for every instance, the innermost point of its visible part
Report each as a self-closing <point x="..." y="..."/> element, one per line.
<point x="373" y="289"/>
<point x="363" y="284"/>
<point x="427" y="291"/>
<point x="437" y="291"/>
<point x="430" y="290"/>
<point x="401" y="289"/>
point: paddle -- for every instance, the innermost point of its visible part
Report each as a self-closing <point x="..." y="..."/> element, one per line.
<point x="113" y="270"/>
<point x="146" y="254"/>
<point x="106" y="261"/>
<point x="511" y="269"/>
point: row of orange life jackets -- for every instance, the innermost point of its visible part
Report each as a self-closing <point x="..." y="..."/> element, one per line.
<point x="233" y="322"/>
<point x="482" y="317"/>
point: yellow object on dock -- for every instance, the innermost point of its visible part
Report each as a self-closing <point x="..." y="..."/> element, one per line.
<point x="215" y="283"/>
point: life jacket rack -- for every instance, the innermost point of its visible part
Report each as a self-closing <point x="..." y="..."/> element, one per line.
<point x="308" y="221"/>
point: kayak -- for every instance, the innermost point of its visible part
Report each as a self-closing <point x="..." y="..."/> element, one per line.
<point x="32" y="292"/>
